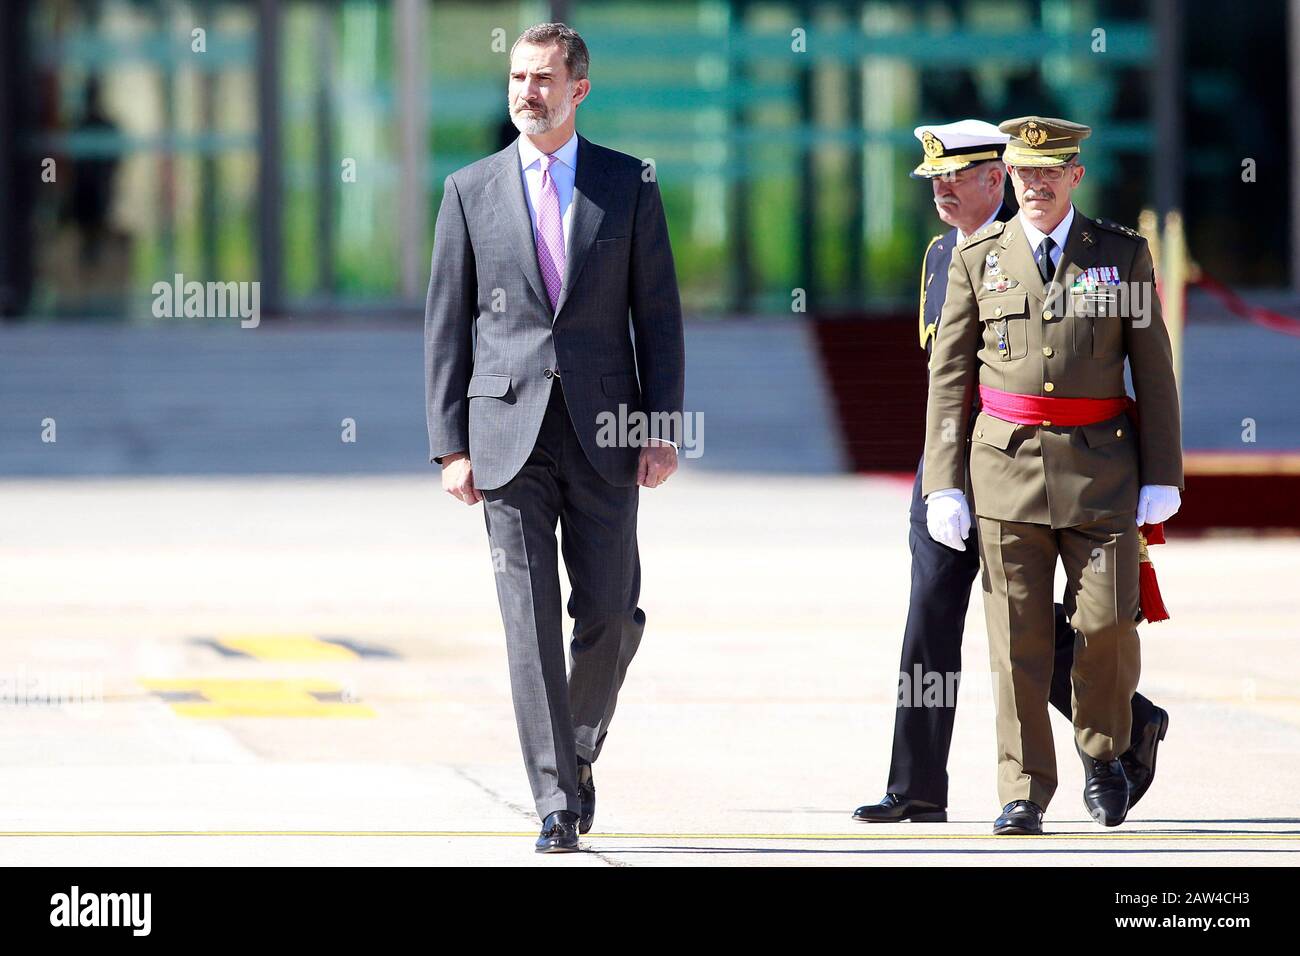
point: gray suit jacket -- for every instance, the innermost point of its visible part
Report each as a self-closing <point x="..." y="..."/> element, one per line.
<point x="492" y="342"/>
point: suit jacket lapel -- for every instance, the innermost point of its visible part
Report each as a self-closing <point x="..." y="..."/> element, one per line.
<point x="506" y="189"/>
<point x="588" y="210"/>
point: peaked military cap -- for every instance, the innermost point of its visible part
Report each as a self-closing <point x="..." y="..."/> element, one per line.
<point x="956" y="146"/>
<point x="1042" y="141"/>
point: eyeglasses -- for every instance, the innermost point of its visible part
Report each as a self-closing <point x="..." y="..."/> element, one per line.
<point x="1050" y="174"/>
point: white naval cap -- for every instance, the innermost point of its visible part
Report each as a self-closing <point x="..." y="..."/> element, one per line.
<point x="954" y="146"/>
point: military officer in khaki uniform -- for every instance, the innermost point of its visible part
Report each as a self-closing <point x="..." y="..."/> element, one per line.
<point x="962" y="163"/>
<point x="1041" y="313"/>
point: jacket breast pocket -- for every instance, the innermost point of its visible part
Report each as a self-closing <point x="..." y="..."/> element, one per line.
<point x="1097" y="329"/>
<point x="612" y="244"/>
<point x="1006" y="325"/>
<point x="607" y="267"/>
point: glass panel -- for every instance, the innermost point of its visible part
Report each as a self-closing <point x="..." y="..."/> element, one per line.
<point x="781" y="132"/>
<point x="151" y="130"/>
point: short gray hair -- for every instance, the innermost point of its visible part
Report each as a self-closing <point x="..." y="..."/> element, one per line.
<point x="576" y="58"/>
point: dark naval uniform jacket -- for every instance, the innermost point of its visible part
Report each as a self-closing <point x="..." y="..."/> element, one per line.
<point x="934" y="277"/>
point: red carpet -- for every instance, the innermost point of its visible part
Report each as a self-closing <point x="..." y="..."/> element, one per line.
<point x="877" y="377"/>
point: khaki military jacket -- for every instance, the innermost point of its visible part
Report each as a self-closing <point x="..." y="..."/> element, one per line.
<point x="1001" y="326"/>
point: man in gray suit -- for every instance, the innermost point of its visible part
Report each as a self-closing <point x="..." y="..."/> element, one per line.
<point x="542" y="253"/>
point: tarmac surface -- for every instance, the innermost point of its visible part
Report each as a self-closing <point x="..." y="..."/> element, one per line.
<point x="273" y="670"/>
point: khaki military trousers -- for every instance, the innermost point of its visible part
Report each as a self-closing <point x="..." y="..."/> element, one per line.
<point x="1101" y="601"/>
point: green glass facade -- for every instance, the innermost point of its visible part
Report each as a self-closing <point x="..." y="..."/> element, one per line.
<point x="781" y="134"/>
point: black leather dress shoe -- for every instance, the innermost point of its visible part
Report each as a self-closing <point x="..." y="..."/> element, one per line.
<point x="1105" y="790"/>
<point x="587" y="794"/>
<point x="559" y="833"/>
<point x="896" y="808"/>
<point x="1020" y="818"/>
<point x="1140" y="760"/>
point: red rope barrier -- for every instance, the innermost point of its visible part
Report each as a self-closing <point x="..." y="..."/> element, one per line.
<point x="1286" y="324"/>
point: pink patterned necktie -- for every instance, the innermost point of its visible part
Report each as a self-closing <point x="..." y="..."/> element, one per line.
<point x="550" y="233"/>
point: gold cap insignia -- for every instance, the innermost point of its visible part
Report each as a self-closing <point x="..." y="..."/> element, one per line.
<point x="930" y="143"/>
<point x="1033" y="134"/>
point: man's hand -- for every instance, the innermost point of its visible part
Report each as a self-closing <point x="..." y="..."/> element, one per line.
<point x="947" y="517"/>
<point x="657" y="462"/>
<point x="1157" y="503"/>
<point x="458" y="478"/>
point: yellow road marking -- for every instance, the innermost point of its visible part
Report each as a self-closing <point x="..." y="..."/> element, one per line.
<point x="286" y="647"/>
<point x="224" y="698"/>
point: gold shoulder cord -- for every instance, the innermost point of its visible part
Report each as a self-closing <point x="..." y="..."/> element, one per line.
<point x="926" y="331"/>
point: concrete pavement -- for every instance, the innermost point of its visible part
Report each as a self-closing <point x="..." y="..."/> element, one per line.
<point x="273" y="670"/>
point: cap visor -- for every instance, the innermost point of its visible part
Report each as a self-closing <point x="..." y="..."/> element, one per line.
<point x="1027" y="157"/>
<point x="933" y="168"/>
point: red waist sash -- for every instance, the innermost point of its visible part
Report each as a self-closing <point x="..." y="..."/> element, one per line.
<point x="1036" y="409"/>
<point x="1069" y="412"/>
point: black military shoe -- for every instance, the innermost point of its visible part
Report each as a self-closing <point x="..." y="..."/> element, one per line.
<point x="559" y="833"/>
<point x="1105" y="790"/>
<point x="896" y="808"/>
<point x="1140" y="760"/>
<point x="1020" y="818"/>
<point x="587" y="794"/>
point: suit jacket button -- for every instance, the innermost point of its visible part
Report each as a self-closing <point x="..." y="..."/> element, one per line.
<point x="548" y="373"/>
<point x="1048" y="386"/>
<point x="980" y="433"/>
<point x="1047" y="350"/>
<point x="1047" y="315"/>
<point x="997" y="311"/>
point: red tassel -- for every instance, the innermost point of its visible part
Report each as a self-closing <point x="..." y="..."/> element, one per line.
<point x="1152" y="604"/>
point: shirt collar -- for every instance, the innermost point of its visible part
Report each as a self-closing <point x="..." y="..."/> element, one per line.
<point x="961" y="236"/>
<point x="566" y="154"/>
<point x="1059" y="234"/>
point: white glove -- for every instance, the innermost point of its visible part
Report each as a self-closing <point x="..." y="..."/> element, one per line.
<point x="1157" y="503"/>
<point x="947" y="517"/>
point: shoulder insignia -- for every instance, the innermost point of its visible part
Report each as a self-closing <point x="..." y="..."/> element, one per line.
<point x="1116" y="227"/>
<point x="992" y="229"/>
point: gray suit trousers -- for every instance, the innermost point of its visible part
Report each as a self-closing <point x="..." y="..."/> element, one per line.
<point x="561" y="718"/>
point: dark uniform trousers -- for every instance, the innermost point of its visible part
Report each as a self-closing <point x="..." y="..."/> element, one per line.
<point x="564" y="717"/>
<point x="942" y="579"/>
